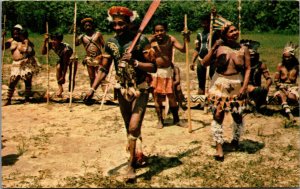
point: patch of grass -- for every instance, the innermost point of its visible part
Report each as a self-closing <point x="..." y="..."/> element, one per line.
<point x="22" y="147"/>
<point x="29" y="181"/>
<point x="42" y="138"/>
<point x="92" y="180"/>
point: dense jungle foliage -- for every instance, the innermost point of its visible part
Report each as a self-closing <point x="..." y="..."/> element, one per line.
<point x="256" y="15"/>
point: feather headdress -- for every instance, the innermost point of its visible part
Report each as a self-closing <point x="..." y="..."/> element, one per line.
<point x="220" y="23"/>
<point x="121" y="11"/>
<point x="290" y="48"/>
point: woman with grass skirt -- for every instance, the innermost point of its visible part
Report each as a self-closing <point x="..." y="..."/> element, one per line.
<point x="24" y="65"/>
<point x="228" y="85"/>
<point x="286" y="79"/>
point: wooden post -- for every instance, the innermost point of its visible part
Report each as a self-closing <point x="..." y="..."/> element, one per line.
<point x="240" y="18"/>
<point x="74" y="55"/>
<point x="207" y="79"/>
<point x="187" y="76"/>
<point x="47" y="60"/>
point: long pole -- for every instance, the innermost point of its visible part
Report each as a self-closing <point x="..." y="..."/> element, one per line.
<point x="240" y="18"/>
<point x="207" y="82"/>
<point x="74" y="55"/>
<point x="187" y="76"/>
<point x="47" y="60"/>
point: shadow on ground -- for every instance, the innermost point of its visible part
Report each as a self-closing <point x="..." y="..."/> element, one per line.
<point x="157" y="164"/>
<point x="10" y="159"/>
<point x="248" y="146"/>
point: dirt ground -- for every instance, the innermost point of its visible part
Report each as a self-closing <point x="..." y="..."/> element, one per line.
<point x="51" y="146"/>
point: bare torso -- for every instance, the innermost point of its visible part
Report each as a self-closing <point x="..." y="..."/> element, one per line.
<point x="17" y="50"/>
<point x="287" y="75"/>
<point x="93" y="44"/>
<point x="164" y="51"/>
<point x="230" y="61"/>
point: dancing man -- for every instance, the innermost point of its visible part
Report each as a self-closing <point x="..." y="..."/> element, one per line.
<point x="132" y="94"/>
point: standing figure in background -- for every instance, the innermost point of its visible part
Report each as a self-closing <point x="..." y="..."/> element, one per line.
<point x="64" y="52"/>
<point x="93" y="43"/>
<point x="162" y="80"/>
<point x="201" y="49"/>
<point x="24" y="64"/>
<point x="132" y="95"/>
<point x="229" y="84"/>
<point x="257" y="92"/>
<point x="286" y="79"/>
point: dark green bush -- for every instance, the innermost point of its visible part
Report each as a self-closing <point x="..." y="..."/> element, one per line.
<point x="257" y="15"/>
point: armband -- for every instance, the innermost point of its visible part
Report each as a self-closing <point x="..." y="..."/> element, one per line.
<point x="104" y="70"/>
<point x="106" y="56"/>
<point x="131" y="137"/>
<point x="269" y="78"/>
<point x="136" y="63"/>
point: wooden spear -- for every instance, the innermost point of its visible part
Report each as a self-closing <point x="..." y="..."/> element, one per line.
<point x="73" y="56"/>
<point x="187" y="75"/>
<point x="47" y="60"/>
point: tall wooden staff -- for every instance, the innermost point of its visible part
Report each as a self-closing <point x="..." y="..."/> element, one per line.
<point x="47" y="60"/>
<point x="74" y="54"/>
<point x="3" y="39"/>
<point x="207" y="82"/>
<point x="240" y="17"/>
<point x="187" y="75"/>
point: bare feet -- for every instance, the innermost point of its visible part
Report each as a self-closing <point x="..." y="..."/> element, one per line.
<point x="200" y="92"/>
<point x="219" y="156"/>
<point x="130" y="175"/>
<point x="160" y="125"/>
<point x="7" y="102"/>
<point x="59" y="91"/>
